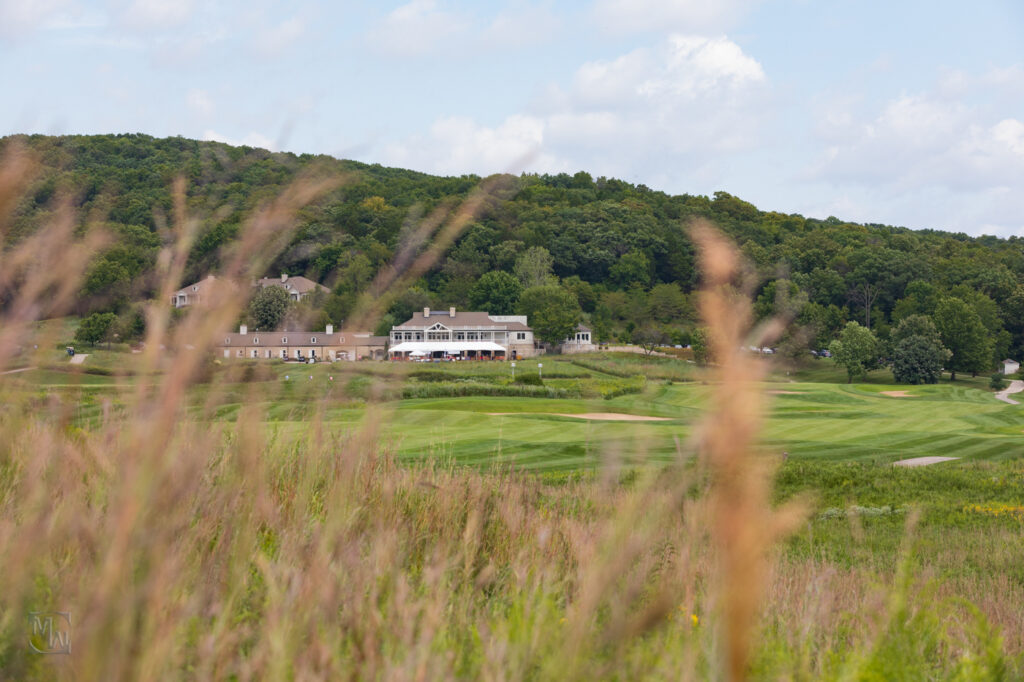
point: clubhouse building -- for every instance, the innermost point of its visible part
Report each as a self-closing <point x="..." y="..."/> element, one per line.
<point x="449" y="334"/>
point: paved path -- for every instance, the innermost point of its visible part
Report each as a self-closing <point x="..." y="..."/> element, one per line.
<point x="15" y="371"/>
<point x="1016" y="386"/>
<point x="78" y="358"/>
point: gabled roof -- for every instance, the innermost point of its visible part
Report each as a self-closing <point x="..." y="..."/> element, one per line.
<point x="258" y="339"/>
<point x="203" y="286"/>
<point x="461" y="319"/>
<point x="298" y="284"/>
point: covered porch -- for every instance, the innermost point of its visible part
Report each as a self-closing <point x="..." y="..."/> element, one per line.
<point x="447" y="350"/>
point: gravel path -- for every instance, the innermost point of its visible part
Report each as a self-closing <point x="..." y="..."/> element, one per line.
<point x="1016" y="386"/>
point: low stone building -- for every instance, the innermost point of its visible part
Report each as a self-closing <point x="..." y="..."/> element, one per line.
<point x="327" y="346"/>
<point x="298" y="288"/>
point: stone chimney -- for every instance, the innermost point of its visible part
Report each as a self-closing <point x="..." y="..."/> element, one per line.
<point x="284" y="277"/>
<point x="330" y="329"/>
<point x="451" y="312"/>
<point x="426" y="312"/>
<point x="243" y="330"/>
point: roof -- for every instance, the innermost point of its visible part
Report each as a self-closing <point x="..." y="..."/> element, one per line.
<point x="300" y="338"/>
<point x="583" y="328"/>
<point x="203" y="285"/>
<point x="462" y="319"/>
<point x="298" y="284"/>
<point x="444" y="346"/>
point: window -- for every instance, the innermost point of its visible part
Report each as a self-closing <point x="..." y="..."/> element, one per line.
<point x="284" y="339"/>
<point x="256" y="340"/>
<point x="284" y="354"/>
<point x="227" y="342"/>
<point x="195" y="288"/>
<point x="239" y="352"/>
<point x="312" y="339"/>
<point x="520" y="336"/>
<point x="255" y="353"/>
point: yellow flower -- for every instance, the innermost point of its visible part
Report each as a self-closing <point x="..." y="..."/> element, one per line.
<point x="563" y="620"/>
<point x="695" y="619"/>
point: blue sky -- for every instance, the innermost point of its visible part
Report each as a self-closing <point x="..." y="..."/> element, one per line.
<point x="907" y="113"/>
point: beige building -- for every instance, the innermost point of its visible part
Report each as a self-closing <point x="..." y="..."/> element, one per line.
<point x="327" y="346"/>
<point x="195" y="294"/>
<point x="442" y="334"/>
<point x="298" y="288"/>
<point x="580" y="342"/>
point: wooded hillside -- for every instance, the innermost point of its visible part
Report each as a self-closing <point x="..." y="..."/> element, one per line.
<point x="620" y="250"/>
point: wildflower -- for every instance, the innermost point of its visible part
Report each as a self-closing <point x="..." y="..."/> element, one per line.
<point x="694" y="619"/>
<point x="563" y="620"/>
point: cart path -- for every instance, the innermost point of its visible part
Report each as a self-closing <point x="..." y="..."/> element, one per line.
<point x="1016" y="386"/>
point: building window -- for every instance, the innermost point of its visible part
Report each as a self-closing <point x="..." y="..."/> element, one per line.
<point x="284" y="354"/>
<point x="255" y="353"/>
<point x="227" y="342"/>
<point x="255" y="340"/>
<point x="239" y="352"/>
<point x="520" y="336"/>
<point x="284" y="339"/>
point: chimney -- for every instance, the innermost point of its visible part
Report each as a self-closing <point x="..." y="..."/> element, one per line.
<point x="330" y="329"/>
<point x="243" y="330"/>
<point x="426" y="312"/>
<point x="451" y="312"/>
<point x="284" y="277"/>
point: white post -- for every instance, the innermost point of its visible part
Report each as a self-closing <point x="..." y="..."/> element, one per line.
<point x="540" y="366"/>
<point x="513" y="370"/>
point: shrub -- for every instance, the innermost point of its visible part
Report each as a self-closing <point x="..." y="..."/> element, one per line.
<point x="530" y="379"/>
<point x="997" y="382"/>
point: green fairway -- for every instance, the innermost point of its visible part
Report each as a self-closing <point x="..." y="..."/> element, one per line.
<point x="808" y="420"/>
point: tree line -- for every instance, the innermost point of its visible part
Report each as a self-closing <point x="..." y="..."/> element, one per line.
<point x="612" y="254"/>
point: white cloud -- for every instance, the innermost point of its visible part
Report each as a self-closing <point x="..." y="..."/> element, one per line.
<point x="520" y="25"/>
<point x="691" y="16"/>
<point x="18" y="18"/>
<point x="458" y="145"/>
<point x="416" y="28"/>
<point x="199" y="102"/>
<point x="252" y="139"/>
<point x="276" y="39"/>
<point x="157" y="14"/>
<point x="673" y="110"/>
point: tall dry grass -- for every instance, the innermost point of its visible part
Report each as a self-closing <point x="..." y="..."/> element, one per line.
<point x="186" y="548"/>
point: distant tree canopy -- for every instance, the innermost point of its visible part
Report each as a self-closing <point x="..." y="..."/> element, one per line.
<point x="268" y="308"/>
<point x="621" y="250"/>
<point x="856" y="350"/>
<point x="552" y="311"/>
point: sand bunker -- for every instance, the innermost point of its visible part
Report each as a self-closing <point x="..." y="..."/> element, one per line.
<point x="604" y="416"/>
<point x="898" y="394"/>
<point x="781" y="392"/>
<point x="922" y="461"/>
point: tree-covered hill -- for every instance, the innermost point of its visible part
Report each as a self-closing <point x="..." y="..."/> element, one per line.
<point x="620" y="249"/>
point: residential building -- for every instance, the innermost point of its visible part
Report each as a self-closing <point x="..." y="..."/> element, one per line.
<point x="298" y="288"/>
<point x="439" y="334"/>
<point x="195" y="294"/>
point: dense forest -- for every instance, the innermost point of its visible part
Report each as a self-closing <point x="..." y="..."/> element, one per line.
<point x="617" y="254"/>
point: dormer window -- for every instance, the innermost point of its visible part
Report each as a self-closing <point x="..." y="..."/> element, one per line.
<point x="255" y="340"/>
<point x="195" y="288"/>
<point x="284" y="339"/>
<point x="227" y="341"/>
<point x="312" y="339"/>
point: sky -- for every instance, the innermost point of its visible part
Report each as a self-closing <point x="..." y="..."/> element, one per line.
<point x="905" y="113"/>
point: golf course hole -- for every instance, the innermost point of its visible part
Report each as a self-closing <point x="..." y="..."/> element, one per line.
<point x="601" y="416"/>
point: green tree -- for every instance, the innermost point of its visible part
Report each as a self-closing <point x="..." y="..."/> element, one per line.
<point x="95" y="328"/>
<point x="963" y="333"/>
<point x="632" y="268"/>
<point x="534" y="267"/>
<point x="268" y="308"/>
<point x="856" y="349"/>
<point x="700" y="345"/>
<point x="668" y="303"/>
<point x="919" y="359"/>
<point x="649" y="338"/>
<point x="495" y="292"/>
<point x="551" y="311"/>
